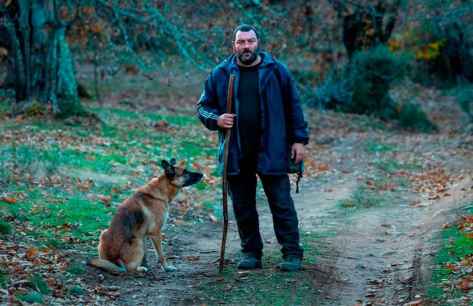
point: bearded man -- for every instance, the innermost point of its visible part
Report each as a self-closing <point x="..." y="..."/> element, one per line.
<point x="268" y="129"/>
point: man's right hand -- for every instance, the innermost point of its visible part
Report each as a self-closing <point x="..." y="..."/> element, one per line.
<point x="226" y="120"/>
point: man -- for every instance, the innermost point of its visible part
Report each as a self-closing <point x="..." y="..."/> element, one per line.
<point x="267" y="128"/>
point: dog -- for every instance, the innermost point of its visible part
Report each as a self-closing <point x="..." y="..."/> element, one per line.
<point x="121" y="246"/>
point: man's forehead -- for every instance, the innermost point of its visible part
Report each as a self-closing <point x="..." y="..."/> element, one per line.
<point x="245" y="35"/>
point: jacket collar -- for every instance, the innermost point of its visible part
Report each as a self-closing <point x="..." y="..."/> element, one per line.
<point x="265" y="67"/>
<point x="232" y="66"/>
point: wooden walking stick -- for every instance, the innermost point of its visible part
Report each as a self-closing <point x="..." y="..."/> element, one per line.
<point x="225" y="176"/>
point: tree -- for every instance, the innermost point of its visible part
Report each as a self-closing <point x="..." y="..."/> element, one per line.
<point x="40" y="62"/>
<point x="366" y="25"/>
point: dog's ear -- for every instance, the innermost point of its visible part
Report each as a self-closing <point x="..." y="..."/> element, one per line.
<point x="164" y="164"/>
<point x="173" y="161"/>
<point x="168" y="168"/>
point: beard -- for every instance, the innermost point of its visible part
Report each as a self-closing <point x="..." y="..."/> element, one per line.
<point x="248" y="57"/>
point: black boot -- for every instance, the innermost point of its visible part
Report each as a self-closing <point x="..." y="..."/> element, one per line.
<point x="249" y="262"/>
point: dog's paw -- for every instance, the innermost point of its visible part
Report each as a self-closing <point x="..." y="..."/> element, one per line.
<point x="169" y="268"/>
<point x="142" y="269"/>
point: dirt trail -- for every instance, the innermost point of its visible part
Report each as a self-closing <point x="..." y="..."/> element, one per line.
<point x="378" y="256"/>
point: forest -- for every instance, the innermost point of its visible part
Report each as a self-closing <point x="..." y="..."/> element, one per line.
<point x="98" y="97"/>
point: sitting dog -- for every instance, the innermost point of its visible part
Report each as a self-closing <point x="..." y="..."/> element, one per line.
<point x="121" y="246"/>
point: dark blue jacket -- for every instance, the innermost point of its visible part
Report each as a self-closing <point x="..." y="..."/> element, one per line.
<point x="282" y="121"/>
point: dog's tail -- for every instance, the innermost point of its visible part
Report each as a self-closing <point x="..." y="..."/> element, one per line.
<point x="106" y="265"/>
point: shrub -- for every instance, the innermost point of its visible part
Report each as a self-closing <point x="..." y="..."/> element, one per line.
<point x="334" y="93"/>
<point x="362" y="86"/>
<point x="464" y="97"/>
<point x="372" y="74"/>
<point x="411" y="116"/>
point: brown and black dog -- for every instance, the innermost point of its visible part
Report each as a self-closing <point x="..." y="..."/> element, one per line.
<point x="121" y="246"/>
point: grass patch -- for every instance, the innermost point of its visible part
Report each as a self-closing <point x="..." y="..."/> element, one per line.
<point x="5" y="227"/>
<point x="375" y="147"/>
<point x="54" y="218"/>
<point x="76" y="268"/>
<point x="363" y="197"/>
<point x="39" y="284"/>
<point x="110" y="158"/>
<point x="456" y="247"/>
<point x="392" y="166"/>
<point x="31" y="297"/>
<point x="4" y="278"/>
<point x="267" y="286"/>
<point x="76" y="291"/>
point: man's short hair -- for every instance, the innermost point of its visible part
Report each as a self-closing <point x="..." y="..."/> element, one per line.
<point x="245" y="28"/>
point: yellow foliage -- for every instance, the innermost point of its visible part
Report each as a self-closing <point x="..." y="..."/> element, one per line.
<point x="35" y="109"/>
<point x="429" y="52"/>
<point x="394" y="45"/>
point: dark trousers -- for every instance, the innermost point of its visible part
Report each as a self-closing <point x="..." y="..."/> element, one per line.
<point x="277" y="189"/>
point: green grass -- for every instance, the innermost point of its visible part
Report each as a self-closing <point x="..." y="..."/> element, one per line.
<point x="54" y="217"/>
<point x="392" y="166"/>
<point x="5" y="228"/>
<point x="267" y="286"/>
<point x="76" y="268"/>
<point x="77" y="291"/>
<point x="126" y="156"/>
<point x="363" y="197"/>
<point x="4" y="277"/>
<point x="39" y="284"/>
<point x="375" y="147"/>
<point x="31" y="297"/>
<point x="455" y="245"/>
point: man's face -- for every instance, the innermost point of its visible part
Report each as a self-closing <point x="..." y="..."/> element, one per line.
<point x="245" y="46"/>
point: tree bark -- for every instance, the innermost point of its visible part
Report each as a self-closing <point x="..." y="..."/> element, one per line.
<point x="365" y="27"/>
<point x="39" y="51"/>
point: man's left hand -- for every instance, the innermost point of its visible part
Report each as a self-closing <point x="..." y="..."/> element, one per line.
<point x="298" y="152"/>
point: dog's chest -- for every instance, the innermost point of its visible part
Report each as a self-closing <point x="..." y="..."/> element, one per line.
<point x="152" y="221"/>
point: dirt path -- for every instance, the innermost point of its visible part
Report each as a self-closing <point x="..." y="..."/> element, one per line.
<point x="379" y="256"/>
<point x="374" y="255"/>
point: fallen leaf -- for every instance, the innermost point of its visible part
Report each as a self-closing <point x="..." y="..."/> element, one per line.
<point x="213" y="218"/>
<point x="414" y="303"/>
<point x="322" y="167"/>
<point x="465" y="284"/>
<point x="31" y="253"/>
<point x="192" y="258"/>
<point x="8" y="200"/>
<point x="105" y="199"/>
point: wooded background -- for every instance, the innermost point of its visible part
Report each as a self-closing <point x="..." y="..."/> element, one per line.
<point x="332" y="47"/>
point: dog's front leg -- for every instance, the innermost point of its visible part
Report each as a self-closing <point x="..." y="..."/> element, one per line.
<point x="157" y="246"/>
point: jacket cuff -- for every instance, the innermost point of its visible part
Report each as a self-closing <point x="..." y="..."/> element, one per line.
<point x="303" y="140"/>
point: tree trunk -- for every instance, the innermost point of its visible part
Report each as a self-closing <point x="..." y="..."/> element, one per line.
<point x="40" y="53"/>
<point x="366" y="27"/>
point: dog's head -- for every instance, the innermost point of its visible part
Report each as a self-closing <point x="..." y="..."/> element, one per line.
<point x="178" y="175"/>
